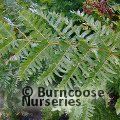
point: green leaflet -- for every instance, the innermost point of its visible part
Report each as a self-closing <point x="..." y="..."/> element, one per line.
<point x="66" y="78"/>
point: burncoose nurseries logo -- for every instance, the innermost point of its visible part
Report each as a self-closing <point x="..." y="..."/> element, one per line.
<point x="49" y="97"/>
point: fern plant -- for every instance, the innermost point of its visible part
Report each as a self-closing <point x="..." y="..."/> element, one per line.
<point x="53" y="51"/>
<point x="63" y="39"/>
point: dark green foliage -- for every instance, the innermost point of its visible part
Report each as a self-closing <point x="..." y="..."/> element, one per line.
<point x="108" y="114"/>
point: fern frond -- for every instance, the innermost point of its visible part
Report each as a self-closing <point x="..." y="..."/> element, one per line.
<point x="57" y="60"/>
<point x="28" y="65"/>
<point x="74" y="61"/>
<point x="64" y="27"/>
<point x="95" y="25"/>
